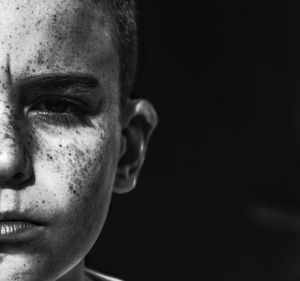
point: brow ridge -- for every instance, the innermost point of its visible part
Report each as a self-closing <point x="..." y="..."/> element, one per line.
<point x="59" y="81"/>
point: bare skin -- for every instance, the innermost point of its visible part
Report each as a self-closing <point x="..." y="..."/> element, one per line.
<point x="61" y="132"/>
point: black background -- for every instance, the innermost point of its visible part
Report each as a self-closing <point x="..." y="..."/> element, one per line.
<point x="223" y="76"/>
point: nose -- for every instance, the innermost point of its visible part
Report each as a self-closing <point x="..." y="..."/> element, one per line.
<point x="15" y="168"/>
<point x="15" y="164"/>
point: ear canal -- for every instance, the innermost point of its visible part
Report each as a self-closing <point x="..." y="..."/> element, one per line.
<point x="131" y="158"/>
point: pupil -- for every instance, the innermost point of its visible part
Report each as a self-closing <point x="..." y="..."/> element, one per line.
<point x="56" y="106"/>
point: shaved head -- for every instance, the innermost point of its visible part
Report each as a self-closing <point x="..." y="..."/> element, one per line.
<point x="122" y="14"/>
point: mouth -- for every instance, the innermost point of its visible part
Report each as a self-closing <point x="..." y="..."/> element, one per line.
<point x="19" y="227"/>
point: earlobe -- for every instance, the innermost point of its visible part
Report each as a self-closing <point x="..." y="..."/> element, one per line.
<point x="138" y="122"/>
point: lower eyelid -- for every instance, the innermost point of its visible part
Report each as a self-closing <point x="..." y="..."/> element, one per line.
<point x="61" y="119"/>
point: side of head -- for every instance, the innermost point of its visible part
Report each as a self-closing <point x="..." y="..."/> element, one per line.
<point x="124" y="27"/>
<point x="138" y="117"/>
<point x="70" y="134"/>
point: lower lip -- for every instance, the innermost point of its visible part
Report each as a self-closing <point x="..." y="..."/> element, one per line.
<point x="19" y="230"/>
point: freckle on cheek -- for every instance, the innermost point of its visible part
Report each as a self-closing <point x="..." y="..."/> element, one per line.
<point x="73" y="190"/>
<point x="49" y="157"/>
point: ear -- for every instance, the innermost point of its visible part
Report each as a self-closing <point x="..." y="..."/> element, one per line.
<point x="138" y="122"/>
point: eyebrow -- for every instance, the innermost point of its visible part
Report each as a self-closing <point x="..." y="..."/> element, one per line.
<point x="56" y="81"/>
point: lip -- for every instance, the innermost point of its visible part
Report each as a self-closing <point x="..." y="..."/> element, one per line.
<point x="19" y="230"/>
<point x="16" y="226"/>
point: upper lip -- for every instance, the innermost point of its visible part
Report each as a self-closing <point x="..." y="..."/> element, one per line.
<point x="19" y="216"/>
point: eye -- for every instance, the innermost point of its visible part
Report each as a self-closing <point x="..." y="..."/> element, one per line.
<point x="56" y="105"/>
<point x="59" y="111"/>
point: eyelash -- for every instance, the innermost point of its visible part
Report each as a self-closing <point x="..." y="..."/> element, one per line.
<point x="70" y="118"/>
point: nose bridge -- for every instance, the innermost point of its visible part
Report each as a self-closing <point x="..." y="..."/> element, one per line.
<point x="10" y="129"/>
<point x="9" y="117"/>
<point x="13" y="157"/>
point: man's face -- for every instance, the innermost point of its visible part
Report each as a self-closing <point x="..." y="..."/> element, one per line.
<point x="59" y="132"/>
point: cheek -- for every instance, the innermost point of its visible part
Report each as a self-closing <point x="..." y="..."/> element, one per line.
<point x="74" y="174"/>
<point x="75" y="169"/>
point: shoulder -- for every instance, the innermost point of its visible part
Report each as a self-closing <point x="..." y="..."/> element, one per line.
<point x="94" y="275"/>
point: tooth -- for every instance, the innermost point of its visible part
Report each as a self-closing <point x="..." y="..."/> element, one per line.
<point x="6" y="229"/>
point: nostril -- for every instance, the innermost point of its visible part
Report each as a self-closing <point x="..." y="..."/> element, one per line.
<point x="16" y="168"/>
<point x="17" y="177"/>
<point x="20" y="180"/>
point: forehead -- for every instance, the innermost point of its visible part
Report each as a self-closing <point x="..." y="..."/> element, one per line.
<point x="54" y="35"/>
